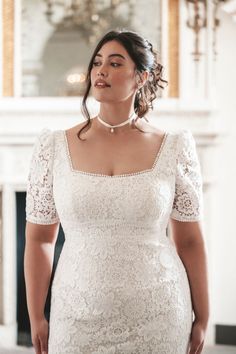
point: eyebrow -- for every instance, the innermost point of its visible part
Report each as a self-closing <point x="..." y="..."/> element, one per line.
<point x="112" y="55"/>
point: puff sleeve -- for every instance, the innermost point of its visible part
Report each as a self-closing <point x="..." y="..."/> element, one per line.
<point x="188" y="198"/>
<point x="40" y="206"/>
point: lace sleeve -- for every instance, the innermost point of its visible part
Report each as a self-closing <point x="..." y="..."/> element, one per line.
<point x="188" y="199"/>
<point x="40" y="206"/>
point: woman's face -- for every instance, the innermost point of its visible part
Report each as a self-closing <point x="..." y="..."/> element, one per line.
<point x="113" y="76"/>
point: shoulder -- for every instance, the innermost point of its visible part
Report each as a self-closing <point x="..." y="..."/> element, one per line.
<point x="175" y="137"/>
<point x="150" y="128"/>
<point x="186" y="147"/>
<point x="44" y="142"/>
<point x="77" y="127"/>
<point x="45" y="135"/>
<point x="49" y="138"/>
<point x="178" y="134"/>
<point x="42" y="155"/>
<point x="186" y="140"/>
<point x="182" y="141"/>
<point x="72" y="132"/>
<point x="183" y="138"/>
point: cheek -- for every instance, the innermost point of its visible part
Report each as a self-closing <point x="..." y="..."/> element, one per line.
<point x="93" y="75"/>
<point x="125" y="79"/>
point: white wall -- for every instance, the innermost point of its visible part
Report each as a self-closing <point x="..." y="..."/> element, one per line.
<point x="224" y="244"/>
<point x="1" y="48"/>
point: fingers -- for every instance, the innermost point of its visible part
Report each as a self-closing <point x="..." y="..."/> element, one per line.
<point x="44" y="345"/>
<point x="37" y="346"/>
<point x="40" y="345"/>
<point x="194" y="345"/>
<point x="200" y="348"/>
<point x="196" y="348"/>
<point x="197" y="338"/>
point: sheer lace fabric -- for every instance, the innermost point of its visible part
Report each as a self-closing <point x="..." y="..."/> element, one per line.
<point x="120" y="286"/>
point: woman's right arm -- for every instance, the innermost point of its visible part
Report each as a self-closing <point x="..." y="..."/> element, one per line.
<point x="38" y="261"/>
<point x="40" y="236"/>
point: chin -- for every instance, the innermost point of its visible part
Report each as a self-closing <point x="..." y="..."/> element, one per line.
<point x="103" y="99"/>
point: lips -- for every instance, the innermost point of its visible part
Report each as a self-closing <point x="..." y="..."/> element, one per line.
<point x="101" y="83"/>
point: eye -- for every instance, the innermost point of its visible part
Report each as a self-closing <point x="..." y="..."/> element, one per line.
<point x="115" y="64"/>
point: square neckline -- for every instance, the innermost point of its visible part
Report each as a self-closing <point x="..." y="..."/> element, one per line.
<point x="93" y="174"/>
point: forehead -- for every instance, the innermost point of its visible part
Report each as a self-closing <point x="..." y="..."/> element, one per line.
<point x="113" y="47"/>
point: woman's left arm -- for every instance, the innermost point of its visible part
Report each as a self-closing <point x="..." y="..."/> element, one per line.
<point x="190" y="245"/>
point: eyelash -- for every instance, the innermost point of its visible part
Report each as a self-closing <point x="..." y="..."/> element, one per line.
<point x="96" y="62"/>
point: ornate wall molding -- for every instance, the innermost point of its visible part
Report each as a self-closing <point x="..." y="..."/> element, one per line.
<point x="8" y="15"/>
<point x="173" y="48"/>
<point x="8" y="47"/>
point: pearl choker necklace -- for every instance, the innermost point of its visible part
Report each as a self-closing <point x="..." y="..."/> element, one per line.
<point x="118" y="125"/>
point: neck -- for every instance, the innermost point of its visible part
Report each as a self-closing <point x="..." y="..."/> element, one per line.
<point x="127" y="122"/>
<point x="115" y="114"/>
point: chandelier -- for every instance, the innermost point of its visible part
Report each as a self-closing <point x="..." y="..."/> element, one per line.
<point x="90" y="17"/>
<point x="197" y="20"/>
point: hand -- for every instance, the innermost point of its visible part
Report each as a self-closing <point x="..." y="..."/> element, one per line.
<point x="197" y="337"/>
<point x="39" y="335"/>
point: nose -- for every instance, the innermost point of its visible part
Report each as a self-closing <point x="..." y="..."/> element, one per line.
<point x="102" y="71"/>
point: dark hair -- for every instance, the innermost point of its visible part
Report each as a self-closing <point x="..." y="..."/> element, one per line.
<point x="144" y="57"/>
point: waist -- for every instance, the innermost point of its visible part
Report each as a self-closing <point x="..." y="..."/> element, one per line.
<point x="117" y="231"/>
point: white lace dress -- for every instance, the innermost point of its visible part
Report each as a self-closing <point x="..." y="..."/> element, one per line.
<point x="119" y="286"/>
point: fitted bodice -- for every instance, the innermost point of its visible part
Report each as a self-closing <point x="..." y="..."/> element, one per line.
<point x="95" y="198"/>
<point x="57" y="192"/>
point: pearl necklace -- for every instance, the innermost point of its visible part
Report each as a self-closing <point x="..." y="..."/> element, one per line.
<point x="118" y="125"/>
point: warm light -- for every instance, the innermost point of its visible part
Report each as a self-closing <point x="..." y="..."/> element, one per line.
<point x="95" y="18"/>
<point x="75" y="78"/>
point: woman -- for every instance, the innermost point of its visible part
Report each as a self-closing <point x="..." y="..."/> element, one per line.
<point x="121" y="285"/>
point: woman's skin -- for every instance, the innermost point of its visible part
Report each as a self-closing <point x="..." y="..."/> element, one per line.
<point x="189" y="242"/>
<point x="97" y="156"/>
<point x="38" y="261"/>
<point x="114" y="65"/>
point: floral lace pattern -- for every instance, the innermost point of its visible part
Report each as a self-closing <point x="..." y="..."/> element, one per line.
<point x="120" y="286"/>
<point x="40" y="206"/>
<point x="188" y="203"/>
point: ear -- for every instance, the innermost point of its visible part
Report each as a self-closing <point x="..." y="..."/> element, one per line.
<point x="141" y="78"/>
<point x="145" y="76"/>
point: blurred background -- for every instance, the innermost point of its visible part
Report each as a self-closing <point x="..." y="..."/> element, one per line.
<point x="45" y="47"/>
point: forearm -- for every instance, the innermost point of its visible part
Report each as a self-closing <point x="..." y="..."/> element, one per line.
<point x="194" y="259"/>
<point x="38" y="262"/>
